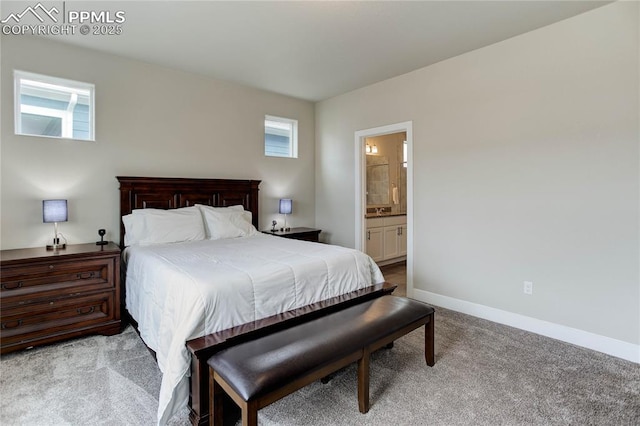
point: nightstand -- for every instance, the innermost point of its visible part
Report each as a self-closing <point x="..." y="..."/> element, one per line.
<point x="48" y="296"/>
<point x="305" y="234"/>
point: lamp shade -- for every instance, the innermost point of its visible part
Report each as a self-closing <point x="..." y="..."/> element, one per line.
<point x="54" y="211"/>
<point x="286" y="206"/>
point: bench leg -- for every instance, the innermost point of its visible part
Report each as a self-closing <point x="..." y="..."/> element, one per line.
<point x="429" y="346"/>
<point x="250" y="413"/>
<point x="389" y="345"/>
<point x="216" y="413"/>
<point x="363" y="382"/>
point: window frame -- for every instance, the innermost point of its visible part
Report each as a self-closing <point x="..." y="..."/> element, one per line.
<point x="74" y="88"/>
<point x="293" y="145"/>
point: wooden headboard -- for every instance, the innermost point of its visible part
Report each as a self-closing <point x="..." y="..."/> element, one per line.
<point x="172" y="193"/>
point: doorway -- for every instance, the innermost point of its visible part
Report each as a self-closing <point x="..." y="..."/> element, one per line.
<point x="382" y="207"/>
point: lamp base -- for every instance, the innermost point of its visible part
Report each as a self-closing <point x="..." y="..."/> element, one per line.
<point x="56" y="247"/>
<point x="102" y="243"/>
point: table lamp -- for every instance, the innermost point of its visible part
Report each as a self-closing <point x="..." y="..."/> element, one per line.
<point x="286" y="207"/>
<point x="55" y="211"/>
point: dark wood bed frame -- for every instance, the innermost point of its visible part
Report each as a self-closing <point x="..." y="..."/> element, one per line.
<point x="171" y="193"/>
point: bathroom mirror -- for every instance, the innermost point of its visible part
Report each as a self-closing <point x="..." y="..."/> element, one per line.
<point x="377" y="180"/>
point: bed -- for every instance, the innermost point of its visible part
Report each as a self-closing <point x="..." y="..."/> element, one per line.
<point x="179" y="294"/>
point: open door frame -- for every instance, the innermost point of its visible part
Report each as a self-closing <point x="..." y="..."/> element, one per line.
<point x="361" y="180"/>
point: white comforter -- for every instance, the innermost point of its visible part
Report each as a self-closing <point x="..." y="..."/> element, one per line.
<point x="181" y="291"/>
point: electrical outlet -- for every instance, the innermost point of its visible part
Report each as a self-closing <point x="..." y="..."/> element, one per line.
<point x="528" y="287"/>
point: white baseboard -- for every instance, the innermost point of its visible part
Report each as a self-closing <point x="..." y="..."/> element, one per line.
<point x="599" y="343"/>
<point x="392" y="261"/>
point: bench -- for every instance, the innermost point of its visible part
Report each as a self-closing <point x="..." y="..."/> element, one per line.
<point x="259" y="372"/>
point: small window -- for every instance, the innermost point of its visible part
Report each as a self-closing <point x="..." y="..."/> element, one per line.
<point x="53" y="107"/>
<point x="280" y="137"/>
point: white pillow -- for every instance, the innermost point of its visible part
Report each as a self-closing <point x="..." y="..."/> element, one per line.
<point x="227" y="222"/>
<point x="219" y="226"/>
<point x="156" y="226"/>
<point x="237" y="207"/>
<point x="243" y="221"/>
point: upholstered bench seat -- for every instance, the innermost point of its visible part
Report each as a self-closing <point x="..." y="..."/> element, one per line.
<point x="259" y="372"/>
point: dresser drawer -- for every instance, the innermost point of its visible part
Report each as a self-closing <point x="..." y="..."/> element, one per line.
<point x="56" y="316"/>
<point x="304" y="236"/>
<point x="23" y="283"/>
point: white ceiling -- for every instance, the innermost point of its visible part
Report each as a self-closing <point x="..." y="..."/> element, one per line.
<point x="314" y="50"/>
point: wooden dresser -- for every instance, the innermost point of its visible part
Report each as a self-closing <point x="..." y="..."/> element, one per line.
<point x="47" y="296"/>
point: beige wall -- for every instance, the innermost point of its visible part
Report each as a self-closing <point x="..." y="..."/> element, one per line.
<point x="525" y="158"/>
<point x="150" y="121"/>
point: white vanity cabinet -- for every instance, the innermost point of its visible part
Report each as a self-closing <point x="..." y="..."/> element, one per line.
<point x="375" y="239"/>
<point x="387" y="238"/>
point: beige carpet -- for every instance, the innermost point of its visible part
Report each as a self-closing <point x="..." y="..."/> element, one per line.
<point x="485" y="374"/>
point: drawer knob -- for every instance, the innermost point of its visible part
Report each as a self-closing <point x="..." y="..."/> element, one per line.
<point x="11" y="324"/>
<point x="86" y="312"/>
<point x="85" y="275"/>
<point x="12" y="287"/>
